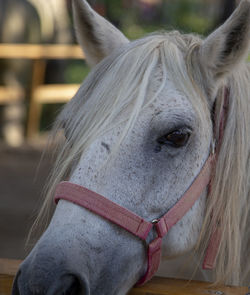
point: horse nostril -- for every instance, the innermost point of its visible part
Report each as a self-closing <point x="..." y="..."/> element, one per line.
<point x="67" y="285"/>
<point x="71" y="285"/>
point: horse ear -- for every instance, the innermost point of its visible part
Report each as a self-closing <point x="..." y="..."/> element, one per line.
<point x="97" y="37"/>
<point x="228" y="46"/>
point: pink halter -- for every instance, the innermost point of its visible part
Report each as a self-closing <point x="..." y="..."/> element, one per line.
<point x="138" y="226"/>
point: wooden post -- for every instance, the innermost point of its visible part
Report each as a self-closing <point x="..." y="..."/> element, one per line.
<point x="35" y="108"/>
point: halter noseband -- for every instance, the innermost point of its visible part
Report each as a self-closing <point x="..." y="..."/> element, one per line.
<point x="138" y="226"/>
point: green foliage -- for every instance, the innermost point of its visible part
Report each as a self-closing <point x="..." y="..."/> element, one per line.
<point x="190" y="16"/>
<point x="114" y="9"/>
<point x="184" y="15"/>
<point x="76" y="71"/>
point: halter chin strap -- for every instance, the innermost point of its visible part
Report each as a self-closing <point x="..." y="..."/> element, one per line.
<point x="138" y="226"/>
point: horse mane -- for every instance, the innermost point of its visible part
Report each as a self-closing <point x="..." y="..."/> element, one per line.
<point x="121" y="81"/>
<point x="229" y="198"/>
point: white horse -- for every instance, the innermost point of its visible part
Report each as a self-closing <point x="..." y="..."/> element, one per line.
<point x="138" y="132"/>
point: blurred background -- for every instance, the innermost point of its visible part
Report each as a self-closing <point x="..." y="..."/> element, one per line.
<point x="41" y="68"/>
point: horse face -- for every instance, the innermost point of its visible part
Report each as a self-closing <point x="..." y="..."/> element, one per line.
<point x="82" y="253"/>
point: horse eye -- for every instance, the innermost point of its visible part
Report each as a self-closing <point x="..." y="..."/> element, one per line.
<point x="176" y="138"/>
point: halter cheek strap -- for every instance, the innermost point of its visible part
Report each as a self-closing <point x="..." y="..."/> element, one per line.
<point x="133" y="223"/>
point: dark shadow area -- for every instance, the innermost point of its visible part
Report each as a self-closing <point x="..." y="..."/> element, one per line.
<point x="21" y="189"/>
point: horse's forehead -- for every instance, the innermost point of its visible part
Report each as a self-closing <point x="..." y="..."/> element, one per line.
<point x="171" y="98"/>
<point x="170" y="104"/>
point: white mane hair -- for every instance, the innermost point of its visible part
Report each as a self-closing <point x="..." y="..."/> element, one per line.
<point x="119" y="84"/>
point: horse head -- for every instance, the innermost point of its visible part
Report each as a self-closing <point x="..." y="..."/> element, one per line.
<point x="138" y="133"/>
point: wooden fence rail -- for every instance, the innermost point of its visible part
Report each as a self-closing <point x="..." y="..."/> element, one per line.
<point x="40" y="51"/>
<point x="157" y="286"/>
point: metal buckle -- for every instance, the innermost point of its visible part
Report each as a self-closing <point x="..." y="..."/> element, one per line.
<point x="213" y="145"/>
<point x="154" y="221"/>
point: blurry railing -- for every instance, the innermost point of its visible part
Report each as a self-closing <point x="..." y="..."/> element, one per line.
<point x="157" y="286"/>
<point x="40" y="92"/>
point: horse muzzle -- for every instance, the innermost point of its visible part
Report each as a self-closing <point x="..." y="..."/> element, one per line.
<point x="41" y="282"/>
